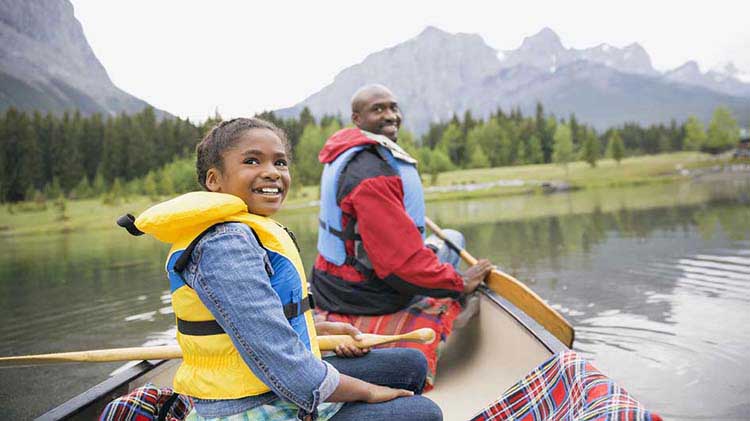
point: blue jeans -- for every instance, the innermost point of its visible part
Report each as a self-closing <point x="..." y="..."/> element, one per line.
<point x="444" y="253"/>
<point x="400" y="368"/>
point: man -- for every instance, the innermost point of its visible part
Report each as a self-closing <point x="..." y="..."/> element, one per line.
<point x="373" y="268"/>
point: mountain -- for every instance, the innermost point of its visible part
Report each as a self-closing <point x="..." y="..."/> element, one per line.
<point x="429" y="73"/>
<point x="46" y="63"/>
<point x="437" y="74"/>
<point x="720" y="80"/>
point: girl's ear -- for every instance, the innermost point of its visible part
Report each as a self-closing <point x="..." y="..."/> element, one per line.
<point x="213" y="180"/>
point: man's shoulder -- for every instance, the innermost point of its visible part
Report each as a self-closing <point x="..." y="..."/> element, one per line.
<point x="364" y="165"/>
<point x="368" y="163"/>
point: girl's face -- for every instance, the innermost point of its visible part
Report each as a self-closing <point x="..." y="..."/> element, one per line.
<point x="256" y="170"/>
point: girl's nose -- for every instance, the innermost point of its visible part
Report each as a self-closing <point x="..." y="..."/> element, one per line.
<point x="271" y="172"/>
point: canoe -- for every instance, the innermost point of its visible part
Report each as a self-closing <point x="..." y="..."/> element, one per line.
<point x="479" y="362"/>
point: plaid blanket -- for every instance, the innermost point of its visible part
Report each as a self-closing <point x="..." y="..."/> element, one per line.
<point x="435" y="313"/>
<point x="148" y="403"/>
<point x="566" y="387"/>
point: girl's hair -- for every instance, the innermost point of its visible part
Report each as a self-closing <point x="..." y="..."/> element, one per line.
<point x="223" y="136"/>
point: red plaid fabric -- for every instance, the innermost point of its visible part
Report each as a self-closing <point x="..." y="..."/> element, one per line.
<point x="148" y="403"/>
<point x="566" y="387"/>
<point x="435" y="313"/>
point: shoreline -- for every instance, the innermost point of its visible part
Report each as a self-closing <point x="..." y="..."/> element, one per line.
<point x="92" y="214"/>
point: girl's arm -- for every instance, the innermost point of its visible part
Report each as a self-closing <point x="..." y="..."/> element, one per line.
<point x="227" y="271"/>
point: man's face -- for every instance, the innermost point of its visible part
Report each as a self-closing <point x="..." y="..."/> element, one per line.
<point x="379" y="113"/>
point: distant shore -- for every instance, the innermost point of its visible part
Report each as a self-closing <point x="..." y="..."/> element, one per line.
<point x="92" y="214"/>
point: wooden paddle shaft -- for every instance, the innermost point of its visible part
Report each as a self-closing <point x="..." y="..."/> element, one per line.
<point x="517" y="293"/>
<point x="168" y="352"/>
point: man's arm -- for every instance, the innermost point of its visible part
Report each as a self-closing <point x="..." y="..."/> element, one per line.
<point x="372" y="192"/>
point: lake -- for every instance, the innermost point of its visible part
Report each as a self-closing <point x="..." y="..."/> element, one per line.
<point x="655" y="279"/>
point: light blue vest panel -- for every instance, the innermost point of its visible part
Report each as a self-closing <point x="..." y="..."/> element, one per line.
<point x="331" y="246"/>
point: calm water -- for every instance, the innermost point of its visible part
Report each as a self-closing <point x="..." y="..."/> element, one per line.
<point x="656" y="281"/>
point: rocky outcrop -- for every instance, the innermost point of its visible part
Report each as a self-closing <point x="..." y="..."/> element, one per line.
<point x="46" y="62"/>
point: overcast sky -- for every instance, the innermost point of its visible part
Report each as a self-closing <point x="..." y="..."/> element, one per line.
<point x="241" y="57"/>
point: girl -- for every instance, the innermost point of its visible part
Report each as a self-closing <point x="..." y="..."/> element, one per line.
<point x="240" y="296"/>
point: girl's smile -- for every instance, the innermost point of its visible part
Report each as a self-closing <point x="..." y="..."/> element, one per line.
<point x="256" y="170"/>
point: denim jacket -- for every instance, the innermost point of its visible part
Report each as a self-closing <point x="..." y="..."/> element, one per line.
<point x="227" y="271"/>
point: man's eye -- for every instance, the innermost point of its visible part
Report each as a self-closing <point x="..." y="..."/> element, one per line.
<point x="378" y="109"/>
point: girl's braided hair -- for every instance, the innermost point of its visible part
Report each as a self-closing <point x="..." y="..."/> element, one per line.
<point x="223" y="136"/>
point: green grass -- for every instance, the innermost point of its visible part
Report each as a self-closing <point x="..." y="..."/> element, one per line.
<point x="92" y="214"/>
<point x="607" y="172"/>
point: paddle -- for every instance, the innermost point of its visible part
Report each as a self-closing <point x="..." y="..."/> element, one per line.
<point x="168" y="352"/>
<point x="518" y="294"/>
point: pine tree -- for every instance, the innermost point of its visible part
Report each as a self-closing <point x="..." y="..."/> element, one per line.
<point x="307" y="168"/>
<point x="590" y="150"/>
<point x="615" y="146"/>
<point x="695" y="135"/>
<point x="723" y="132"/>
<point x="150" y="188"/>
<point x="67" y="162"/>
<point x="451" y="144"/>
<point x="306" y="118"/>
<point x="563" y="148"/>
<point x="21" y="161"/>
<point x="82" y="190"/>
<point x="534" y="153"/>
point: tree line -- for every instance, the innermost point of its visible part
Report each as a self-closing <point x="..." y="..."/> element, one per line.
<point x="69" y="155"/>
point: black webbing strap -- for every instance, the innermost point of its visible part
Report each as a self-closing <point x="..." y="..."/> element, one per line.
<point x="347" y="234"/>
<point x="184" y="258"/>
<point x="364" y="270"/>
<point x="205" y="328"/>
<point x="127" y="221"/>
<point x="212" y="327"/>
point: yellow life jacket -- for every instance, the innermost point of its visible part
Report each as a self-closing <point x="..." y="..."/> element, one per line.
<point x="212" y="368"/>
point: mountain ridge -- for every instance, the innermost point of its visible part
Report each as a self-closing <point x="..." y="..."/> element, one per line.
<point x="47" y="63"/>
<point x="437" y="74"/>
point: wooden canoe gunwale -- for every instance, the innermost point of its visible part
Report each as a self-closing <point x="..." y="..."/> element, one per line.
<point x="544" y="337"/>
<point x="101" y="393"/>
<point x="88" y="404"/>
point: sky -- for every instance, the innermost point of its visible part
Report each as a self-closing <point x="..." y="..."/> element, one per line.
<point x="193" y="58"/>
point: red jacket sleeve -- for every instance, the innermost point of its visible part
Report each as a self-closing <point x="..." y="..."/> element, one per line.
<point x="392" y="241"/>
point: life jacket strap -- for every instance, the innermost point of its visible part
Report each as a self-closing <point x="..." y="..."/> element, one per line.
<point x="212" y="327"/>
<point x="347" y="234"/>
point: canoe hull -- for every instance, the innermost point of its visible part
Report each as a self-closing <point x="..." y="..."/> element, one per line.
<point x="480" y="361"/>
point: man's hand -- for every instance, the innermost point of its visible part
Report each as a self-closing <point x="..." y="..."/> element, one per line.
<point x="475" y="275"/>
<point x="338" y="328"/>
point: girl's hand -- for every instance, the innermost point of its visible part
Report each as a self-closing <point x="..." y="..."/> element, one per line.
<point x="338" y="328"/>
<point x="378" y="393"/>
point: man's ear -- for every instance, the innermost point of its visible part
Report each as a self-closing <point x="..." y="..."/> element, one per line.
<point x="213" y="180"/>
<point x="355" y="118"/>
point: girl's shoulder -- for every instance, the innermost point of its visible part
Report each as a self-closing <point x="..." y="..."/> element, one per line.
<point x="230" y="234"/>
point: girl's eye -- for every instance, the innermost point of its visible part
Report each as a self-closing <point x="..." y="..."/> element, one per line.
<point x="252" y="161"/>
<point x="282" y="163"/>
